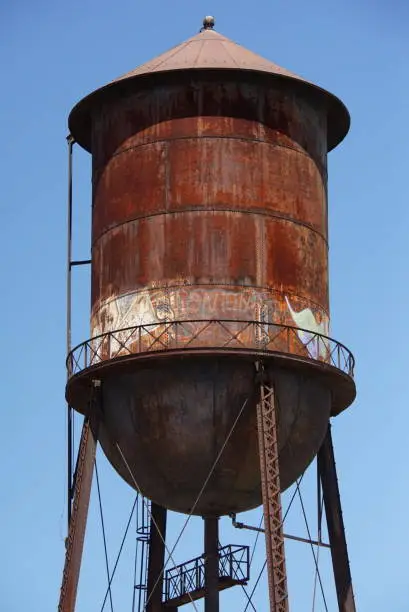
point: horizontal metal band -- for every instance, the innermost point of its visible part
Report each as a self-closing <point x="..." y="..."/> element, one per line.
<point x="222" y="209"/>
<point x="321" y="169"/>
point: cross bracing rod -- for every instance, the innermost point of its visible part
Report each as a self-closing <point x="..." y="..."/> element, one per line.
<point x="287" y="536"/>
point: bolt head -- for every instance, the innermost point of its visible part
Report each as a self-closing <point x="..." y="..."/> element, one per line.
<point x="208" y="22"/>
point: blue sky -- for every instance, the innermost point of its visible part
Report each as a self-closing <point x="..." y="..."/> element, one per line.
<point x="52" y="54"/>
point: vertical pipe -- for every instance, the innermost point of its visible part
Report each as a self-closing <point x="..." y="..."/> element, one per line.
<point x="211" y="546"/>
<point x="156" y="558"/>
<point x="70" y="142"/>
<point x="335" y="524"/>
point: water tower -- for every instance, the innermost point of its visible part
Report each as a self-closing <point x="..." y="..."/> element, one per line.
<point x="210" y="377"/>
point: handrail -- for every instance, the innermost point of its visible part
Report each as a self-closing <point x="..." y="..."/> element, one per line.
<point x="216" y="334"/>
<point x="189" y="577"/>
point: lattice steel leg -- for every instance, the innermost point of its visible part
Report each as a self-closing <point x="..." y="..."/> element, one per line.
<point x="79" y="514"/>
<point x="270" y="485"/>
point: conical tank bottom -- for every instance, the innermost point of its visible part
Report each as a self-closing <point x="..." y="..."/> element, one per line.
<point x="172" y="420"/>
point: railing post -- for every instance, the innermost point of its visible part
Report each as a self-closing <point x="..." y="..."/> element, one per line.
<point x="197" y="571"/>
<point x="247" y="563"/>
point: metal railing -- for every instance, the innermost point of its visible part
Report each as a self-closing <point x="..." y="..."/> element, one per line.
<point x="189" y="577"/>
<point x="215" y="334"/>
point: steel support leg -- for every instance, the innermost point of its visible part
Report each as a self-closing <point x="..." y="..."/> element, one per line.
<point x="335" y="524"/>
<point x="211" y="541"/>
<point x="156" y="560"/>
<point x="79" y="514"/>
<point x="270" y="486"/>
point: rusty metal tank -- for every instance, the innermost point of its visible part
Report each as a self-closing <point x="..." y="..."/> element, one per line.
<point x="209" y="254"/>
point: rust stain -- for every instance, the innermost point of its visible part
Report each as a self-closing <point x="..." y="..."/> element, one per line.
<point x="230" y="197"/>
<point x="209" y="203"/>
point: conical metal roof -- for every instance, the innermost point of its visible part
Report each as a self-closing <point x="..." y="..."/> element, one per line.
<point x="207" y="50"/>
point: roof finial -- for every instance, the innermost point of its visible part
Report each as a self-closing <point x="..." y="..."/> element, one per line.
<point x="208" y="22"/>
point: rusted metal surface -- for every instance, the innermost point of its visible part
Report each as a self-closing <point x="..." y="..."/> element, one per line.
<point x="209" y="204"/>
<point x="195" y="400"/>
<point x="205" y="52"/>
<point x="271" y="490"/>
<point x="81" y="497"/>
<point x="189" y="219"/>
<point x="156" y="559"/>
<point x="335" y="524"/>
<point x="209" y="253"/>
<point x="146" y="397"/>
<point x="246" y="338"/>
<point x="209" y="49"/>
